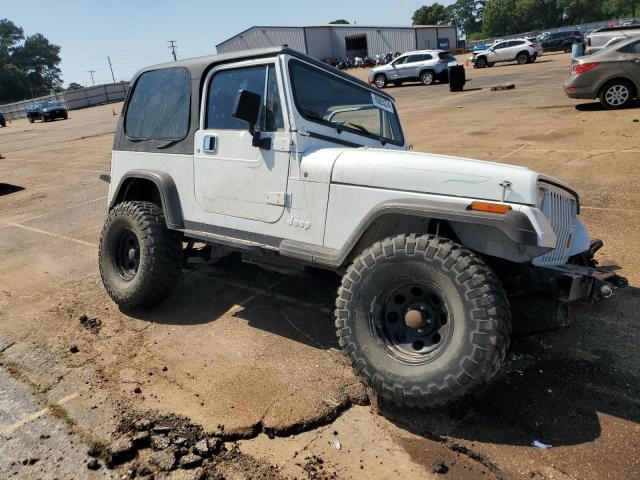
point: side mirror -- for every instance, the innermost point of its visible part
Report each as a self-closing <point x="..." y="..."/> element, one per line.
<point x="247" y="108"/>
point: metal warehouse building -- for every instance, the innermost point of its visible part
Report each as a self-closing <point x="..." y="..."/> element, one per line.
<point x="344" y="41"/>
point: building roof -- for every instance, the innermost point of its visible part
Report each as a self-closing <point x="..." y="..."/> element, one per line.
<point x="334" y="25"/>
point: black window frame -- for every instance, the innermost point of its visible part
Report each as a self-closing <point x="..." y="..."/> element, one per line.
<point x="132" y="93"/>
<point x="262" y="114"/>
<point x="399" y="143"/>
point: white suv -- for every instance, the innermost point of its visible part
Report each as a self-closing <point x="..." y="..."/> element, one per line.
<point x="292" y="163"/>
<point x="424" y="66"/>
<point x="519" y="50"/>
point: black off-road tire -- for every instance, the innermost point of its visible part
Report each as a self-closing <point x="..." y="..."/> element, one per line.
<point x="160" y="255"/>
<point x="480" y="321"/>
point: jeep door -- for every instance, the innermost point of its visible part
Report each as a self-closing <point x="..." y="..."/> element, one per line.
<point x="231" y="176"/>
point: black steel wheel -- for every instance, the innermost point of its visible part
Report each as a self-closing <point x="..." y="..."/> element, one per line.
<point x="415" y="325"/>
<point x="422" y="319"/>
<point x="140" y="258"/>
<point x="126" y="255"/>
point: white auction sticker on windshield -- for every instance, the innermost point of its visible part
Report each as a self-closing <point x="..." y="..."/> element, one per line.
<point x="381" y="102"/>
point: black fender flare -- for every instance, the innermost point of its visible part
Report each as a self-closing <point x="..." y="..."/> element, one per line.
<point x="515" y="225"/>
<point x="169" y="196"/>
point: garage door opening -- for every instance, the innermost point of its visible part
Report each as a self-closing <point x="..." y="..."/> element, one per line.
<point x="356" y="46"/>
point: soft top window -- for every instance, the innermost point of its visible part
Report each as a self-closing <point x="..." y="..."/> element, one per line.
<point x="159" y="106"/>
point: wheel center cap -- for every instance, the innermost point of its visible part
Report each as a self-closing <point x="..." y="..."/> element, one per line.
<point x="132" y="254"/>
<point x="415" y="319"/>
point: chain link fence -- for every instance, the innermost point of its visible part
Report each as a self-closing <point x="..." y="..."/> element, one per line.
<point x="584" y="28"/>
<point x="72" y="100"/>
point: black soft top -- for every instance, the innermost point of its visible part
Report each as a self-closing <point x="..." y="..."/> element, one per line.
<point x="198" y="69"/>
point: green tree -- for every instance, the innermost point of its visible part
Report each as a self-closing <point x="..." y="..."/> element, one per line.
<point x="340" y="21"/>
<point x="622" y="8"/>
<point x="499" y="18"/>
<point x="537" y="14"/>
<point x="74" y="86"/>
<point x="467" y="15"/>
<point x="583" y="11"/>
<point x="28" y="66"/>
<point x="431" y="15"/>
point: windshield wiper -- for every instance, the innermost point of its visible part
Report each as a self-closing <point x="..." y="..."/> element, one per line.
<point x="359" y="127"/>
<point x="365" y="130"/>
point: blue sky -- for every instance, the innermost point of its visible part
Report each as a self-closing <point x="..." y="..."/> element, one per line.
<point x="134" y="33"/>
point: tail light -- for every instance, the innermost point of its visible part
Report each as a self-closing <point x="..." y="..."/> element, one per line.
<point x="580" y="68"/>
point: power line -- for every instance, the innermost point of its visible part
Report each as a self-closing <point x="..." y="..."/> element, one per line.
<point x="91" y="72"/>
<point x="172" y="47"/>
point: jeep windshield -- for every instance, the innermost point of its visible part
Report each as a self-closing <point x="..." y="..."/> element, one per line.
<point x="327" y="99"/>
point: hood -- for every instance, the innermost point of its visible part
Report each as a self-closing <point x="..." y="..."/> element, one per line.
<point x="436" y="174"/>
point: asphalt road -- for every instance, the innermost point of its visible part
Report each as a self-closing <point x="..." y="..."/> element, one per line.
<point x="251" y="355"/>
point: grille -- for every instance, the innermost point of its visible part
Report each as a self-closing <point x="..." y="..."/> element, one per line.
<point x="561" y="212"/>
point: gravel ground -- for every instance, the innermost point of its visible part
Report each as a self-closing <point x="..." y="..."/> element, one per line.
<point x="250" y="357"/>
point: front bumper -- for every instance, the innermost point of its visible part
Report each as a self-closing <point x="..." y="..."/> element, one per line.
<point x="573" y="282"/>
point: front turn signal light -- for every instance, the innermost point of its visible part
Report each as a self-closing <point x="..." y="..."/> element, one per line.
<point x="490" y="207"/>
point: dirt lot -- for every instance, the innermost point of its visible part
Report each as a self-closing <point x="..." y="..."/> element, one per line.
<point x="250" y="358"/>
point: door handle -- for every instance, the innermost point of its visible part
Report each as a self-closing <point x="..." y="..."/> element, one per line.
<point x="210" y="144"/>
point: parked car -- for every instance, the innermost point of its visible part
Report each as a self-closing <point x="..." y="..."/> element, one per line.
<point x="46" y="111"/>
<point x="519" y="50"/>
<point x="560" y="41"/>
<point x="293" y="163"/>
<point x="3" y="122"/>
<point x="424" y="66"/>
<point x="604" y="37"/>
<point x="611" y="75"/>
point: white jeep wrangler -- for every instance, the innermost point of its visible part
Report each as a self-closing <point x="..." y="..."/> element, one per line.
<point x="293" y="163"/>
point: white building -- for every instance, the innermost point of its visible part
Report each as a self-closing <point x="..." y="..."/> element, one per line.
<point x="344" y="41"/>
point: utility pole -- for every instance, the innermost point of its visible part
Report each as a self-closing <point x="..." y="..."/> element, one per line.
<point x="111" y="68"/>
<point x="91" y="72"/>
<point x="172" y="47"/>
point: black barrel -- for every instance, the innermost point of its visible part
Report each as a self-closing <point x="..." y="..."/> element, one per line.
<point x="457" y="78"/>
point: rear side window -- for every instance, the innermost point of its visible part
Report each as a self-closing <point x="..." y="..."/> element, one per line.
<point x="159" y="106"/>
<point x="633" y="48"/>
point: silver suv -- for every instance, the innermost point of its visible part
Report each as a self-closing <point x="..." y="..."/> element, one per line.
<point x="604" y="37"/>
<point x="424" y="66"/>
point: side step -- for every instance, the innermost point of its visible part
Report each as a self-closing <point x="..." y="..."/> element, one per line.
<point x="218" y="239"/>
